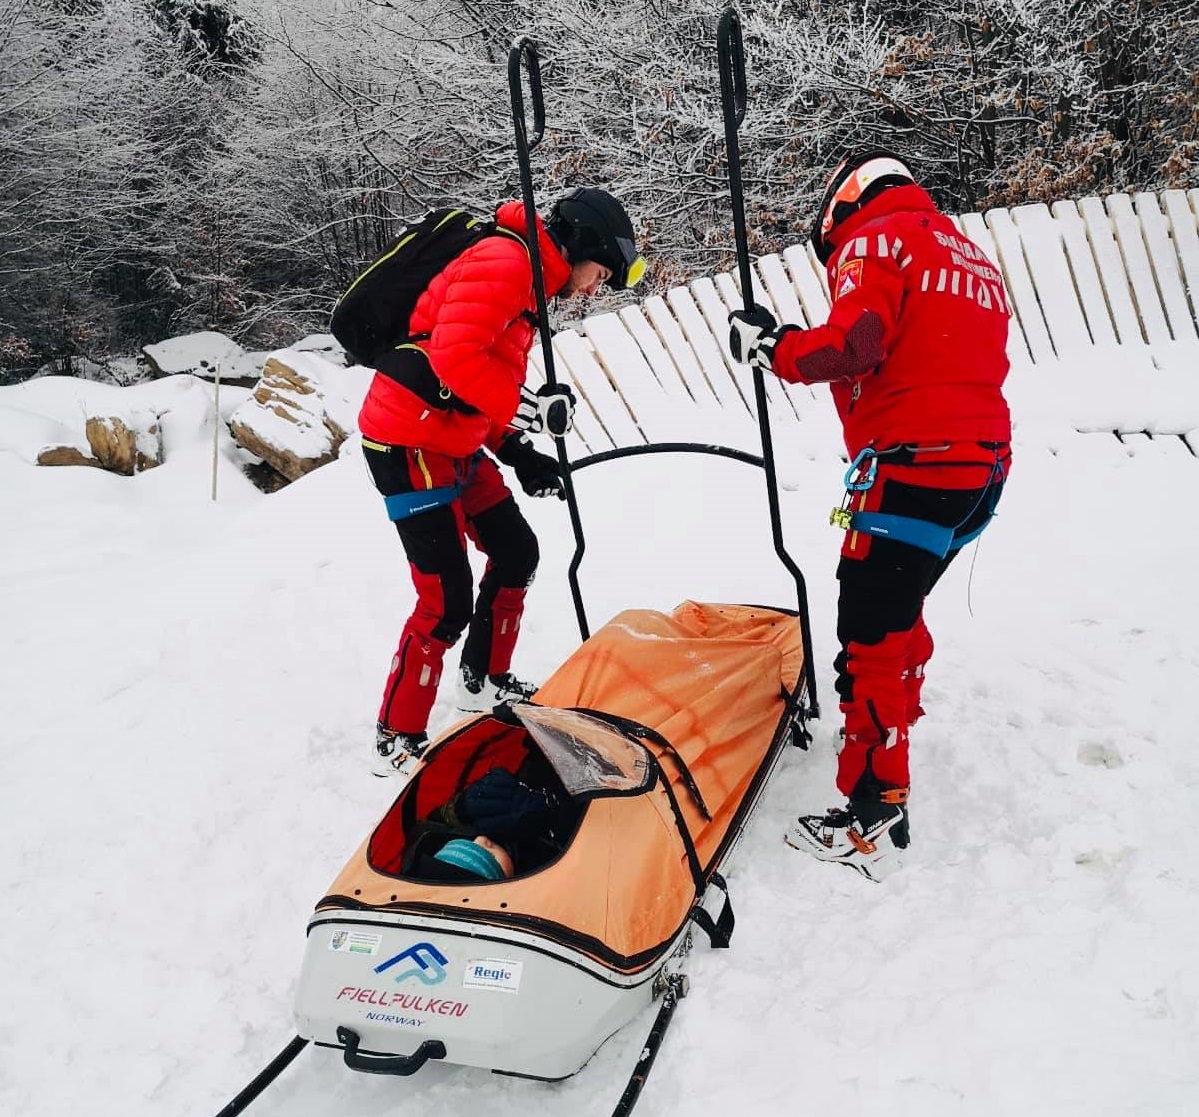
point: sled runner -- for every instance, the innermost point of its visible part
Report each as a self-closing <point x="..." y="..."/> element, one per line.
<point x="656" y="738"/>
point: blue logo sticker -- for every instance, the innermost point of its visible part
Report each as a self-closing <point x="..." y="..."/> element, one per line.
<point x="428" y="964"/>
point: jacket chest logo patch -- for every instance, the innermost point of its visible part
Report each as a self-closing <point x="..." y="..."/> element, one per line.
<point x="849" y="278"/>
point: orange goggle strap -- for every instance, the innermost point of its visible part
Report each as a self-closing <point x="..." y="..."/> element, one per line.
<point x="856" y="184"/>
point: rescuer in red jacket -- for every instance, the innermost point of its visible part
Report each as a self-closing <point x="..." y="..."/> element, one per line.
<point x="436" y="403"/>
<point x="914" y="351"/>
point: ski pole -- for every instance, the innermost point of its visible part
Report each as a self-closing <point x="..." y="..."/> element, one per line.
<point x="526" y="51"/>
<point x="730" y="54"/>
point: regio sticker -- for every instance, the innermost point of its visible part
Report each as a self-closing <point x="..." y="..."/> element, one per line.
<point x="499" y="974"/>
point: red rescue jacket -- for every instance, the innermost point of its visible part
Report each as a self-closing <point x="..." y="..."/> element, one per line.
<point x="479" y="313"/>
<point x="915" y="344"/>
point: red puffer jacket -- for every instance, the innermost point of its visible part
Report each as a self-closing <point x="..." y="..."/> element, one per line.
<point x="479" y="314"/>
<point x="915" y="345"/>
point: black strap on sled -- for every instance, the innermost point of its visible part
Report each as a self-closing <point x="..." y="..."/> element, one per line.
<point x="697" y="872"/>
<point x="720" y="929"/>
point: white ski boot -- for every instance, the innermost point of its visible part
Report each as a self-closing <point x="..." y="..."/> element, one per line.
<point x="396" y="754"/>
<point x="866" y="836"/>
<point x="476" y="695"/>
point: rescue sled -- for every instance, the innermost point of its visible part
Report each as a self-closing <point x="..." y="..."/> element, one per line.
<point x="655" y="739"/>
<point x="659" y="733"/>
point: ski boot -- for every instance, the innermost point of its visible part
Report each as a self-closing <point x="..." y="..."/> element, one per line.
<point x="866" y="835"/>
<point x="395" y="753"/>
<point x="477" y="694"/>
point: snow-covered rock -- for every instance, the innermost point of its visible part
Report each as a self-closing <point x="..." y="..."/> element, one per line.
<point x="126" y="444"/>
<point x="205" y="354"/>
<point x="285" y="421"/>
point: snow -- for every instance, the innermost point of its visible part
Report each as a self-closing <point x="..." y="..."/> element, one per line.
<point x="189" y="689"/>
<point x="204" y="351"/>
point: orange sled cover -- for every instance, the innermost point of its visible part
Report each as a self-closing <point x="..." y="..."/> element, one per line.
<point x="717" y="687"/>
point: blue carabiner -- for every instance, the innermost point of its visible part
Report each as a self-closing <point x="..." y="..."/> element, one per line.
<point x="866" y="480"/>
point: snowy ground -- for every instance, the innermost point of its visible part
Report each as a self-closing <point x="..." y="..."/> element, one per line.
<point x="189" y="687"/>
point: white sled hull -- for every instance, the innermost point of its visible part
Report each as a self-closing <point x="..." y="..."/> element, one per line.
<point x="499" y="999"/>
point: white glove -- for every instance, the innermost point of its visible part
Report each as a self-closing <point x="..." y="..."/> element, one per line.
<point x="550" y="409"/>
<point x="752" y="337"/>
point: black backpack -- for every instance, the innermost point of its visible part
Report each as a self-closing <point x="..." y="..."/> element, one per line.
<point x="371" y="317"/>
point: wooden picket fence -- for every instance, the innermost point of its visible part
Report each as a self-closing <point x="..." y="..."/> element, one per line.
<point x="1095" y="284"/>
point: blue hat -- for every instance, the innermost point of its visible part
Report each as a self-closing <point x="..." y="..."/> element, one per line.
<point x="472" y="858"/>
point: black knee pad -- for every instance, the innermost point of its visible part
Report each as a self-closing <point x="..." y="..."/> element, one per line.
<point x="509" y="542"/>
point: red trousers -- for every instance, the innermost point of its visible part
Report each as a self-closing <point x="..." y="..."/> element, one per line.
<point x="885" y="643"/>
<point x="483" y="511"/>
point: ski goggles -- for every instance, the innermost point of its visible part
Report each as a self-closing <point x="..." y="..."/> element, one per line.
<point x="634" y="264"/>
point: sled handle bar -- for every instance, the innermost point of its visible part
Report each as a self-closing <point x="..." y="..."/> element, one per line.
<point x="731" y="57"/>
<point x="525" y="50"/>
<point x="403" y="1065"/>
<point x="801" y="591"/>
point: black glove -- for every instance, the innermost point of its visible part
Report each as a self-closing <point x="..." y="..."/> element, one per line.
<point x="551" y="409"/>
<point x="499" y="805"/>
<point x="753" y="335"/>
<point x="538" y="474"/>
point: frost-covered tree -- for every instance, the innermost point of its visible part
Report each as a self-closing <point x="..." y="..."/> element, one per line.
<point x="109" y="232"/>
<point x="171" y="164"/>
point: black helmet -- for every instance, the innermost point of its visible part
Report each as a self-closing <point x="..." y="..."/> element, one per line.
<point x="592" y="225"/>
<point x="858" y="179"/>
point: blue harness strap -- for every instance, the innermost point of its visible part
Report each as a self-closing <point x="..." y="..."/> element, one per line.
<point x="906" y="529"/>
<point x="402" y="505"/>
<point x="924" y="534"/>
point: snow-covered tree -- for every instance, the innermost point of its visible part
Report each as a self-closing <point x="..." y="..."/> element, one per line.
<point x="170" y="164"/>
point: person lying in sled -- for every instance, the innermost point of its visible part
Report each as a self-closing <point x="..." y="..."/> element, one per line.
<point x="914" y="350"/>
<point x="514" y="818"/>
<point x="456" y="388"/>
<point x="464" y="859"/>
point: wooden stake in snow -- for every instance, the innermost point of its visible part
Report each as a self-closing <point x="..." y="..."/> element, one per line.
<point x="216" y="424"/>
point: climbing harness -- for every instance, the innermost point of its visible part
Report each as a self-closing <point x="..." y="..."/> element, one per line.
<point x="402" y="505"/>
<point x="924" y="534"/>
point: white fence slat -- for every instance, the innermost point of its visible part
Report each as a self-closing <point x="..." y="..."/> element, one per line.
<point x="789" y="312"/>
<point x="810" y="286"/>
<point x="1021" y="291"/>
<point x="1045" y="255"/>
<point x="1119" y="205"/>
<point x="1183" y="224"/>
<point x="730" y="291"/>
<point x="716" y="315"/>
<point x="705" y="348"/>
<point x="975" y="227"/>
<point x="732" y="279"/>
<point x="1139" y="271"/>
<point x="777" y="397"/>
<point x="656" y="354"/>
<point x="1101" y="234"/>
<point x="668" y="329"/>
<point x="576" y="354"/>
<point x="1085" y="272"/>
<point x="588" y="435"/>
<point x="730" y="294"/>
<point x="781" y="291"/>
<point x="634" y="380"/>
<point x="1166" y="269"/>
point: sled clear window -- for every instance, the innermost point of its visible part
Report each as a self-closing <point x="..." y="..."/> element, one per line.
<point x="589" y="756"/>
